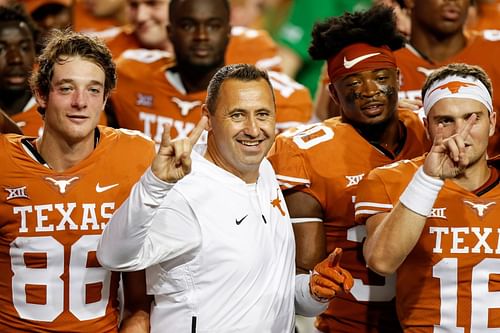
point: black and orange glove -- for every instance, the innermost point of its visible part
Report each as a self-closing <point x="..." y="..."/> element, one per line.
<point x="329" y="279"/>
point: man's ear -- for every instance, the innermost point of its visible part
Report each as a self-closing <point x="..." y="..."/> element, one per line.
<point x="105" y="101"/>
<point x="426" y="126"/>
<point x="205" y="112"/>
<point x="333" y="93"/>
<point x="41" y="100"/>
<point x="493" y="122"/>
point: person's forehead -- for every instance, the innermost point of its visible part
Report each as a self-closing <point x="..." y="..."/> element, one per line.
<point x="236" y="85"/>
<point x="369" y="72"/>
<point x="15" y="27"/>
<point x="246" y="94"/>
<point x="75" y="65"/>
<point x="205" y="8"/>
<point x="148" y="2"/>
<point x="457" y="105"/>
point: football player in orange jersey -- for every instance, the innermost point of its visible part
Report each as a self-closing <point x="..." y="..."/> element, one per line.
<point x="435" y="220"/>
<point x="320" y="165"/>
<point x="438" y="37"/>
<point x="147" y="29"/>
<point x="18" y="35"/>
<point x="151" y="93"/>
<point x="60" y="190"/>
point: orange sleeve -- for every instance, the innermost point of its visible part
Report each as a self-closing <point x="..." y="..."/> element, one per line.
<point x="124" y="40"/>
<point x="250" y="46"/>
<point x="293" y="101"/>
<point x="288" y="163"/>
<point x="30" y="121"/>
<point x="380" y="190"/>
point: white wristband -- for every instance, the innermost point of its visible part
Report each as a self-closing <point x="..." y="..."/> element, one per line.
<point x="305" y="304"/>
<point x="421" y="193"/>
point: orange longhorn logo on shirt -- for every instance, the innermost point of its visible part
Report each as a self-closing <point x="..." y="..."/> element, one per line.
<point x="453" y="86"/>
<point x="277" y="203"/>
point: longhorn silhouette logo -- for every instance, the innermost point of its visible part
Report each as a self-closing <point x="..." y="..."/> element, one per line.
<point x="185" y="106"/>
<point x="481" y="208"/>
<point x="62" y="184"/>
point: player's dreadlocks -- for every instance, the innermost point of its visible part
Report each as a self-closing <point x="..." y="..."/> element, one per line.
<point x="376" y="27"/>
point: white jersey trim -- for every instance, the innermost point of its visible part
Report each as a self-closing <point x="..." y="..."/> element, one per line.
<point x="373" y="204"/>
<point x="284" y="181"/>
<point x="305" y="219"/>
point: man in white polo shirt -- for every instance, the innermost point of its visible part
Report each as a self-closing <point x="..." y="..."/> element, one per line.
<point x="213" y="229"/>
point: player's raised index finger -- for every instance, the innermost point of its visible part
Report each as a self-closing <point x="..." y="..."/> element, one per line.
<point x="165" y="137"/>
<point x="335" y="257"/>
<point x="196" y="132"/>
<point x="439" y="136"/>
<point x="464" y="132"/>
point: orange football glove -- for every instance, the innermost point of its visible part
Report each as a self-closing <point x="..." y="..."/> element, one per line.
<point x="329" y="279"/>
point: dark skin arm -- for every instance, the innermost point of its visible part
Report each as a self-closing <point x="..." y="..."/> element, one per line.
<point x="137" y="303"/>
<point x="7" y="125"/>
<point x="310" y="238"/>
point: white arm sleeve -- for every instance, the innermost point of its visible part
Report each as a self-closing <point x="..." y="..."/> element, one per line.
<point x="149" y="228"/>
<point x="305" y="304"/>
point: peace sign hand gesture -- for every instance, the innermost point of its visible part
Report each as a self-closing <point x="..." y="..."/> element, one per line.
<point x="173" y="160"/>
<point x="447" y="157"/>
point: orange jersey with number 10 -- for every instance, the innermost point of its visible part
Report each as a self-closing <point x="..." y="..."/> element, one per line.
<point x="326" y="161"/>
<point x="50" y="223"/>
<point x="450" y="281"/>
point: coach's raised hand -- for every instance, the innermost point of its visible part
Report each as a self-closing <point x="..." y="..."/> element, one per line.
<point x="173" y="160"/>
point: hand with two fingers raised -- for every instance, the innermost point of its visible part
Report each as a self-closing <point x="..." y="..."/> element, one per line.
<point x="447" y="157"/>
<point x="173" y="160"/>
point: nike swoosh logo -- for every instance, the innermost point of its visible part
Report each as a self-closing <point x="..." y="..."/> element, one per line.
<point x="351" y="63"/>
<point x="100" y="189"/>
<point x="239" y="221"/>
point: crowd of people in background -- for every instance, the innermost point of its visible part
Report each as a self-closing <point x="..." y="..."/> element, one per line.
<point x="250" y="166"/>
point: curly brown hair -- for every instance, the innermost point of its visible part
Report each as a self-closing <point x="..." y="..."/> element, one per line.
<point x="376" y="26"/>
<point x="63" y="44"/>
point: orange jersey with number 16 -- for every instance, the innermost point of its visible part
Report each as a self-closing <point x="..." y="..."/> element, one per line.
<point x="450" y="281"/>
